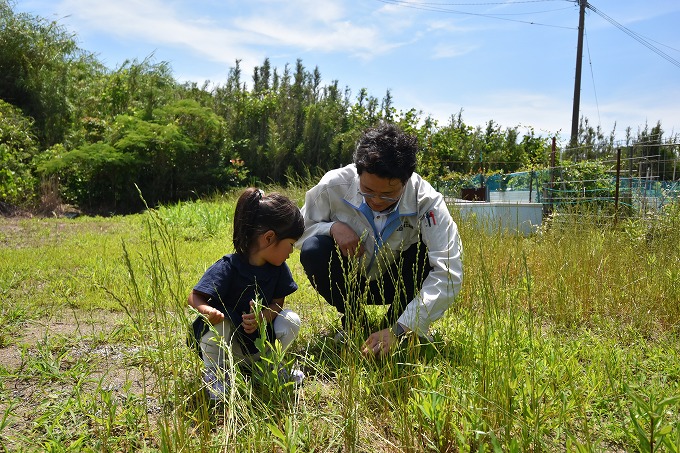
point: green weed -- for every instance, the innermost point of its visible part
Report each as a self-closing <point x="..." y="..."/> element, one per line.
<point x="563" y="341"/>
<point x="653" y="422"/>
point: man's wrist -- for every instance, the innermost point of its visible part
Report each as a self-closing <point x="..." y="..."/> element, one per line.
<point x="398" y="330"/>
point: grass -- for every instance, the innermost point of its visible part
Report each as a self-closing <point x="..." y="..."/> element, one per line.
<point x="564" y="341"/>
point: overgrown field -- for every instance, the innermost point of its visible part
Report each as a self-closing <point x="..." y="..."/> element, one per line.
<point x="568" y="340"/>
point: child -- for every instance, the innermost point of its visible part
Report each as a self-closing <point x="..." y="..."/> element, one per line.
<point x="265" y="229"/>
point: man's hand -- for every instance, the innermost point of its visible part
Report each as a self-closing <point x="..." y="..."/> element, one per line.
<point x="347" y="239"/>
<point x="379" y="343"/>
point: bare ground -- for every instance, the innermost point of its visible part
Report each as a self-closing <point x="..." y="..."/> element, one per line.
<point x="66" y="341"/>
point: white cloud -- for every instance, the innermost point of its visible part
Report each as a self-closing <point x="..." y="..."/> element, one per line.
<point x="451" y="50"/>
<point x="545" y="114"/>
<point x="461" y="27"/>
<point x="306" y="24"/>
<point x="339" y="36"/>
<point x="154" y="22"/>
<point x="551" y="114"/>
<point x="324" y="11"/>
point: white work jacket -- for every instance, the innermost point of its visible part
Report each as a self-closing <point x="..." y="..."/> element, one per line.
<point x="421" y="212"/>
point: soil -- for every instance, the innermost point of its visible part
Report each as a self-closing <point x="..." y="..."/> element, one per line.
<point x="75" y="337"/>
<point x="74" y="327"/>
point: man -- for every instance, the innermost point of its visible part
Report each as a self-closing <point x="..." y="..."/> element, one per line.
<point x="379" y="217"/>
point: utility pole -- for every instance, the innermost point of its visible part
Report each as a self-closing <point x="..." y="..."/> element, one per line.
<point x="577" y="78"/>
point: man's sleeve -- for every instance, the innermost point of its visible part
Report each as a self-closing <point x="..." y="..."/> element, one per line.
<point x="443" y="283"/>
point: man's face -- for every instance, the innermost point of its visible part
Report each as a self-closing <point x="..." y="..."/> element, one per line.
<point x="380" y="193"/>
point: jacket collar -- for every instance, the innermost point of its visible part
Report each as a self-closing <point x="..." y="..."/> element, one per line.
<point x="408" y="204"/>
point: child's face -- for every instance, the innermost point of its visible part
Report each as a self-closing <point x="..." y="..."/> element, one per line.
<point x="278" y="252"/>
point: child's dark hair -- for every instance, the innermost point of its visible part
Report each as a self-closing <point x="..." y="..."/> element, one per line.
<point x="256" y="214"/>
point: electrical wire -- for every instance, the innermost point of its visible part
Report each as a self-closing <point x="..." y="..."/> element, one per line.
<point x="592" y="76"/>
<point x="635" y="36"/>
<point x="532" y="12"/>
<point x="488" y="3"/>
<point x="441" y="7"/>
<point x="436" y="7"/>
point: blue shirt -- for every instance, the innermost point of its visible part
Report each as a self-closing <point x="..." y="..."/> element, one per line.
<point x="231" y="283"/>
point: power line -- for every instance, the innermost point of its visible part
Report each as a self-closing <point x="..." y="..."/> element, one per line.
<point x="532" y="12"/>
<point x="639" y="38"/>
<point x="659" y="43"/>
<point x="592" y="76"/>
<point x="488" y="3"/>
<point x="437" y="7"/>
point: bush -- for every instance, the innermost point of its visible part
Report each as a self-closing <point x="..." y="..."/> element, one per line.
<point x="18" y="148"/>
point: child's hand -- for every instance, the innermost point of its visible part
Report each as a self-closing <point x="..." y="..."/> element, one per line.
<point x="213" y="314"/>
<point x="250" y="321"/>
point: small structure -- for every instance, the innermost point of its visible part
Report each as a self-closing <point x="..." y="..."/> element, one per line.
<point x="474" y="194"/>
<point x="513" y="218"/>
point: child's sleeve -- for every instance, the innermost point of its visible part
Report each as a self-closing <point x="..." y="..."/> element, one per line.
<point x="285" y="284"/>
<point x="215" y="282"/>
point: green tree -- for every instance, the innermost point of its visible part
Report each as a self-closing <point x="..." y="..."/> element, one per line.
<point x="324" y="123"/>
<point x="39" y="62"/>
<point x="138" y="88"/>
<point x="450" y="146"/>
<point x="535" y="149"/>
<point x="200" y="162"/>
<point x="176" y="153"/>
<point x="657" y="155"/>
<point x="591" y="143"/>
<point x="18" y="149"/>
<point x="95" y="176"/>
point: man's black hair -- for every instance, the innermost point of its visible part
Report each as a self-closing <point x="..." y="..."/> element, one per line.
<point x="386" y="151"/>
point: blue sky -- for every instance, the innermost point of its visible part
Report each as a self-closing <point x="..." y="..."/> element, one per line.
<point x="512" y="62"/>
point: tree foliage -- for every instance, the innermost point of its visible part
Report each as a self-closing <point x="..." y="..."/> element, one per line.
<point x="178" y="151"/>
<point x="41" y="66"/>
<point x="18" y="148"/>
<point x="102" y="133"/>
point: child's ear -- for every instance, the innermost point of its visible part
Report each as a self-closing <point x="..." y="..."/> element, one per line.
<point x="269" y="237"/>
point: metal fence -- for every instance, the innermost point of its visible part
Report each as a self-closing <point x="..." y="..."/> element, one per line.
<point x="634" y="188"/>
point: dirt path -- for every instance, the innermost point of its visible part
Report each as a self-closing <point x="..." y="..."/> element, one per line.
<point x="66" y="327"/>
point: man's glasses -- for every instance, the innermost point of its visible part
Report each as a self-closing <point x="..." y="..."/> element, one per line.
<point x="381" y="197"/>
